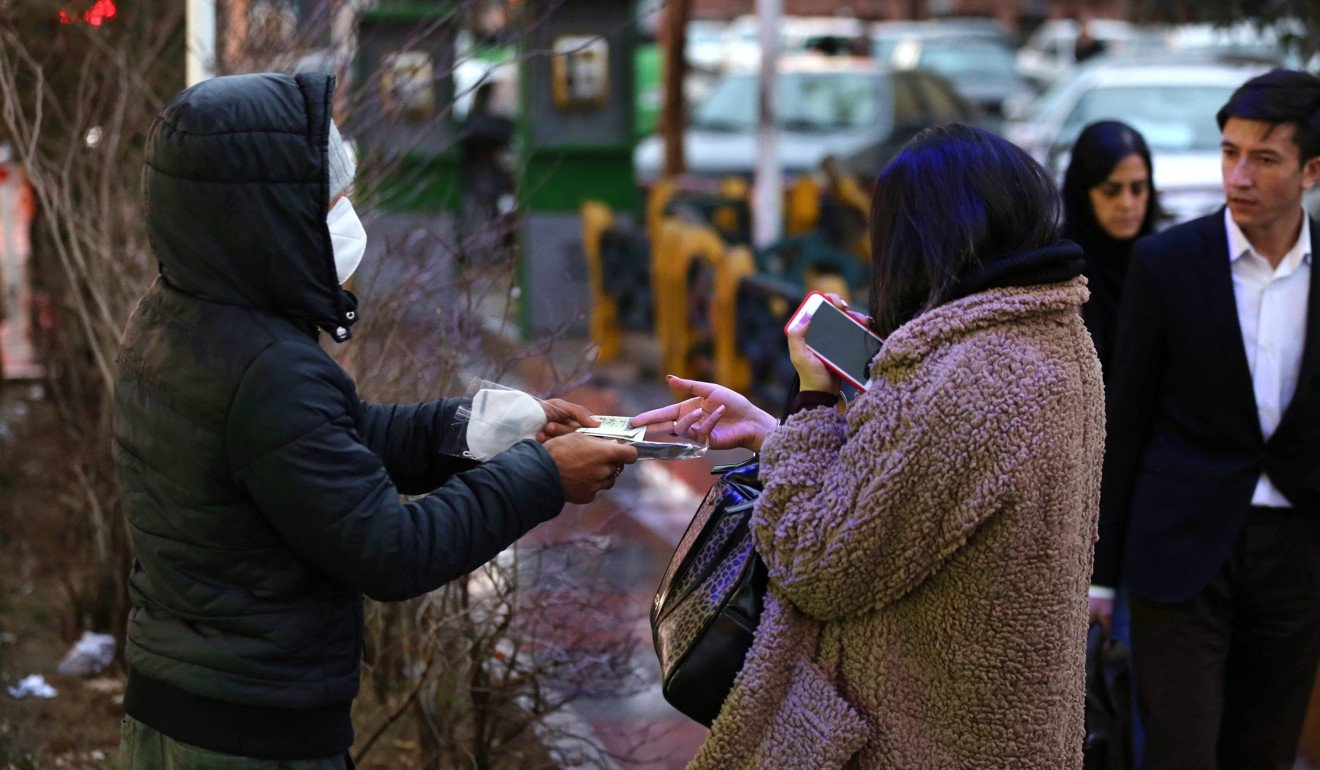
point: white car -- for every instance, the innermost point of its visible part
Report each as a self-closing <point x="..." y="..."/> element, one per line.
<point x="705" y="45"/>
<point x="797" y="34"/>
<point x="1049" y="55"/>
<point x="1173" y="105"/>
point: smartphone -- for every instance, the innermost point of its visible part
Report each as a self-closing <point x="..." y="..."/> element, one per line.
<point x="840" y="341"/>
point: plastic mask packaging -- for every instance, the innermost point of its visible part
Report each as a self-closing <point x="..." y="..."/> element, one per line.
<point x="500" y="419"/>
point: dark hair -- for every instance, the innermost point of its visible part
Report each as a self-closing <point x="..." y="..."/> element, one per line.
<point x="1280" y="96"/>
<point x="1097" y="151"/>
<point x="954" y="197"/>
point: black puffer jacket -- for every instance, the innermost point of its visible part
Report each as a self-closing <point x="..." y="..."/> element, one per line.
<point x="262" y="494"/>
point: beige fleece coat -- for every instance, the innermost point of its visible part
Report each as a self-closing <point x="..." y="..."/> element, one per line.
<point x="929" y="554"/>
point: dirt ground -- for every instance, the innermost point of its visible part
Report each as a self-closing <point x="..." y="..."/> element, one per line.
<point x="79" y="727"/>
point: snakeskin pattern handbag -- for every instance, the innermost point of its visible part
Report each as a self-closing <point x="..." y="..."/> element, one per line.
<point x="709" y="601"/>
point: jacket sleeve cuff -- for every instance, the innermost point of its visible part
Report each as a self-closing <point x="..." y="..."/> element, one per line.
<point x="812" y="399"/>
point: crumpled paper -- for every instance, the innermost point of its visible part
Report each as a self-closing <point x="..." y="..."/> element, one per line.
<point x="34" y="686"/>
<point x="89" y="655"/>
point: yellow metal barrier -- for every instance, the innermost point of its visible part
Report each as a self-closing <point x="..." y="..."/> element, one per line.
<point x="603" y="325"/>
<point x="726" y="217"/>
<point x="826" y="283"/>
<point x="802" y="212"/>
<point x="661" y="194"/>
<point x="679" y="248"/>
<point x="855" y="201"/>
<point x="731" y="367"/>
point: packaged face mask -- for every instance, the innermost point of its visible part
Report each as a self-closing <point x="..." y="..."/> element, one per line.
<point x="500" y="419"/>
<point x="347" y="238"/>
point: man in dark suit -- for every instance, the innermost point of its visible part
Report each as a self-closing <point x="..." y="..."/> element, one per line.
<point x="1210" y="506"/>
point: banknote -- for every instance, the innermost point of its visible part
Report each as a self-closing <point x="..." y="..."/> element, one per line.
<point x="615" y="427"/>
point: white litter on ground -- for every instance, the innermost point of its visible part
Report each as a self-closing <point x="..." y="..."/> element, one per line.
<point x="89" y="655"/>
<point x="34" y="686"/>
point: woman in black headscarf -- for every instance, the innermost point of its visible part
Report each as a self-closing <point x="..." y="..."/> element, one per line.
<point x="1109" y="201"/>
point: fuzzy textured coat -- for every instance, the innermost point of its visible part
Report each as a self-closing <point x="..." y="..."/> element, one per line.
<point x="929" y="553"/>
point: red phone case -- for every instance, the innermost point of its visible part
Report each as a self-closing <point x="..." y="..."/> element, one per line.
<point x="842" y="374"/>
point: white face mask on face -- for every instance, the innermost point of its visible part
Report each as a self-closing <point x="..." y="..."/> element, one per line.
<point x="347" y="237"/>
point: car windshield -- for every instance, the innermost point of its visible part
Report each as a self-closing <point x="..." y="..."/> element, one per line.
<point x="963" y="59"/>
<point x="807" y="101"/>
<point x="1177" y="118"/>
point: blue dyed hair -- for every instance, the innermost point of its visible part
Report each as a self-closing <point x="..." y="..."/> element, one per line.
<point x="954" y="197"/>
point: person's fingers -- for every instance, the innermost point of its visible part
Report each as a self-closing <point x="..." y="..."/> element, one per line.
<point x="701" y="430"/>
<point x="837" y="301"/>
<point x="797" y="345"/>
<point x="579" y="413"/>
<point x="553" y="429"/>
<point x="553" y="411"/>
<point x="799" y="328"/>
<point x="626" y="454"/>
<point x="562" y="412"/>
<point x="860" y="317"/>
<point x="691" y="387"/>
<point x="664" y="414"/>
<point x="688" y="420"/>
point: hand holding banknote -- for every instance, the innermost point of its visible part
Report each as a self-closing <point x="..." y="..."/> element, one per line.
<point x="563" y="417"/>
<point x="619" y="429"/>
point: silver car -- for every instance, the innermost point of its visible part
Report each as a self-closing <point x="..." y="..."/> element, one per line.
<point x="853" y="109"/>
<point x="976" y="60"/>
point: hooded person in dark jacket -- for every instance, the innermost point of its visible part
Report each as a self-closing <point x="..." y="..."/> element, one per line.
<point x="262" y="494"/>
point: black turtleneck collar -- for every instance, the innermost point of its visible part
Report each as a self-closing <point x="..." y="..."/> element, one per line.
<point x="1051" y="264"/>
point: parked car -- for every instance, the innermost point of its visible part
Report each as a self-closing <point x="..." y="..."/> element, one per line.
<point x="705" y="45"/>
<point x="1172" y="103"/>
<point x="1049" y="55"/>
<point x="797" y="34"/>
<point x="977" y="60"/>
<point x="1275" y="45"/>
<point x="857" y="110"/>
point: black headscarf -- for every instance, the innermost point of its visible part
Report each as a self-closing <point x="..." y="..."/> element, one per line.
<point x="1098" y="150"/>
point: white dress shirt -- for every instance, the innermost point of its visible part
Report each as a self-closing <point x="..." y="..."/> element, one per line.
<point x="1271" y="305"/>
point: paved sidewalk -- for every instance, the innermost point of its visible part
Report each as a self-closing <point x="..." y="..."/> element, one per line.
<point x="642" y="519"/>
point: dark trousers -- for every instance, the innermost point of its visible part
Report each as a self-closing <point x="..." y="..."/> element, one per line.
<point x="1223" y="679"/>
<point x="144" y="748"/>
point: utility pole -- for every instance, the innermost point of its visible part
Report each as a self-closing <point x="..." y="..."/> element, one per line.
<point x="768" y="183"/>
<point x="200" y="41"/>
<point x="672" y="118"/>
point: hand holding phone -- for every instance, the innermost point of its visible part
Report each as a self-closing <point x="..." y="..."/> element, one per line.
<point x="844" y="345"/>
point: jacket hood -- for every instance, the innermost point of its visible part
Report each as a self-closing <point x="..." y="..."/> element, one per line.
<point x="237" y="192"/>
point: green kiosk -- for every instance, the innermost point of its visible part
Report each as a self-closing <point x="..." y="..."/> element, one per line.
<point x="407" y="137"/>
<point x="576" y="142"/>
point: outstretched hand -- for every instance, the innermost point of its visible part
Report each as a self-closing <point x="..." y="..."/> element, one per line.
<point x="716" y="416"/>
